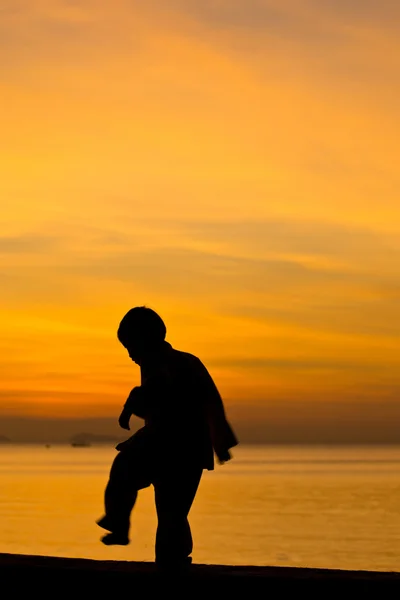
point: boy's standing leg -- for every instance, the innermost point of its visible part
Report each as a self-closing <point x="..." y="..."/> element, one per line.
<point x="175" y="490"/>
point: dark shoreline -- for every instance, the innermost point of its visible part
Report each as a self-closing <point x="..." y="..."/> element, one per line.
<point x="61" y="575"/>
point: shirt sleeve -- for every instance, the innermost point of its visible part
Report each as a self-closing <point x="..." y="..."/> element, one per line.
<point x="146" y="401"/>
<point x="222" y="435"/>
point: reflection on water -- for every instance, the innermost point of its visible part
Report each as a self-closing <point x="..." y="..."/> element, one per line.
<point x="320" y="507"/>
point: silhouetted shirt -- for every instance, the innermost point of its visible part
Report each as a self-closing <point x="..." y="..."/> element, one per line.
<point x="182" y="409"/>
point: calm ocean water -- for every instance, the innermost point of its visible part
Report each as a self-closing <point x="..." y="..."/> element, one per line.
<point x="301" y="506"/>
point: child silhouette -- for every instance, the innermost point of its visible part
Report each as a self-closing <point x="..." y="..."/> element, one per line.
<point x="184" y="424"/>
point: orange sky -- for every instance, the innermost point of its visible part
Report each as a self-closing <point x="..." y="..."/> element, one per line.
<point x="232" y="164"/>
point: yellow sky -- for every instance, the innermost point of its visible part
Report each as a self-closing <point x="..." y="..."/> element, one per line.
<point x="232" y="164"/>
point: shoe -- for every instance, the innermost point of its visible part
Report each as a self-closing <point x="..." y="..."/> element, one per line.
<point x="114" y="539"/>
<point x="173" y="566"/>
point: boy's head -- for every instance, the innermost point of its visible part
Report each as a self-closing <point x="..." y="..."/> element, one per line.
<point x="140" y="331"/>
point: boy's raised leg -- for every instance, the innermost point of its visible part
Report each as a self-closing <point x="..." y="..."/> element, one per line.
<point x="119" y="499"/>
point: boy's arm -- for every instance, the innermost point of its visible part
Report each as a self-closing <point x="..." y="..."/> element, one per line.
<point x="134" y="405"/>
<point x="222" y="435"/>
<point x="144" y="400"/>
<point x="128" y="410"/>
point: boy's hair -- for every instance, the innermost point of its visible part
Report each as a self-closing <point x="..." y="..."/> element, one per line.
<point x="141" y="325"/>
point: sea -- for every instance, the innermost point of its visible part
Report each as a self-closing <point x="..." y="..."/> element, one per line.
<point x="328" y="507"/>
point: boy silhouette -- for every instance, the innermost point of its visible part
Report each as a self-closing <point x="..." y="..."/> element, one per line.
<point x="184" y="424"/>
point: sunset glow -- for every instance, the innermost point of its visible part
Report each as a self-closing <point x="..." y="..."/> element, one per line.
<point x="233" y="165"/>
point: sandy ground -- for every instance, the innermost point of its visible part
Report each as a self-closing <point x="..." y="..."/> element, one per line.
<point x="59" y="577"/>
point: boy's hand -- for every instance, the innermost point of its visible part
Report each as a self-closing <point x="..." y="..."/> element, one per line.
<point x="123" y="445"/>
<point x="223" y="456"/>
<point x="124" y="419"/>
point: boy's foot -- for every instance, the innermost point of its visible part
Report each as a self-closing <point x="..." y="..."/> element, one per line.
<point x="114" y="539"/>
<point x="173" y="566"/>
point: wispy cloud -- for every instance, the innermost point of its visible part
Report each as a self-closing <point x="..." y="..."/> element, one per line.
<point x="28" y="244"/>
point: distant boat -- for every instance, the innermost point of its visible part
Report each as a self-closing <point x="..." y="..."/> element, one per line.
<point x="85" y="439"/>
<point x="80" y="444"/>
<point x="47" y="446"/>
